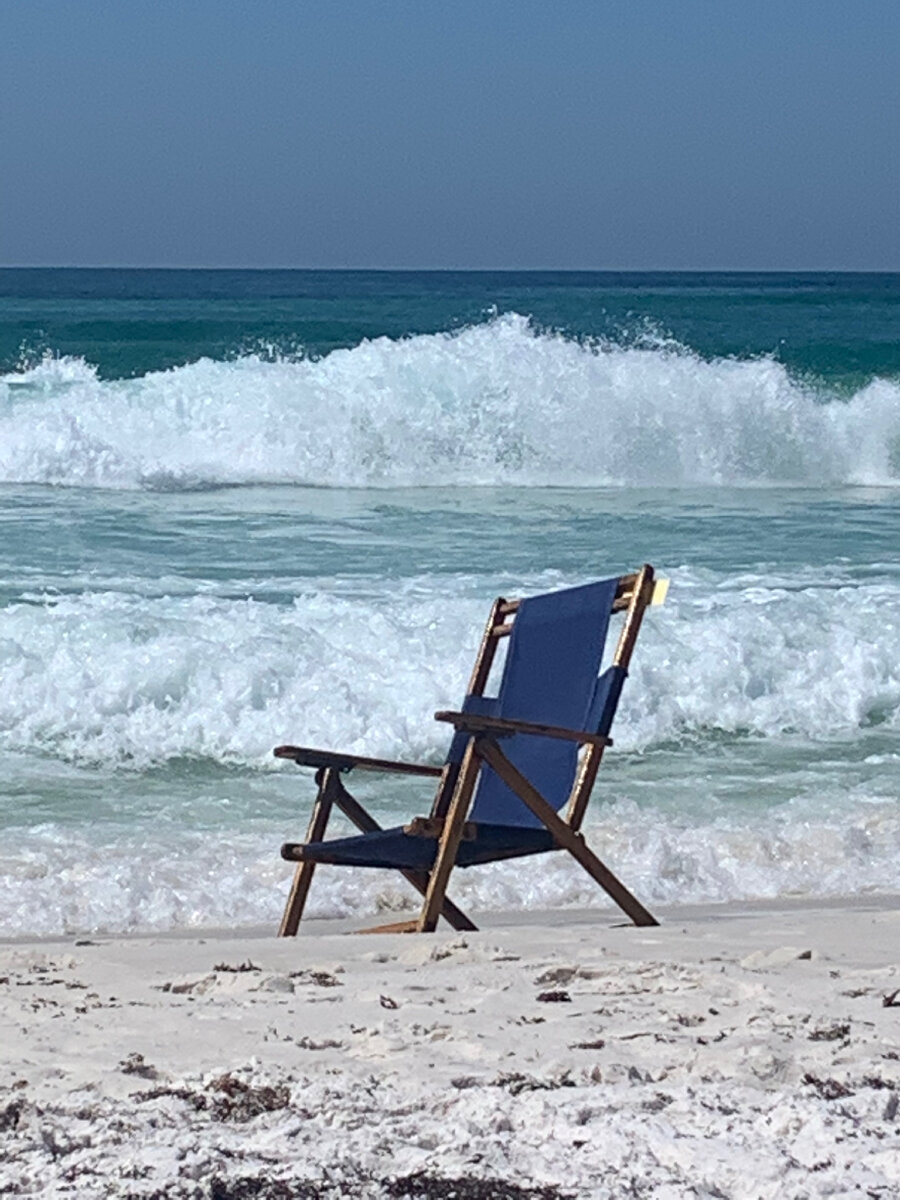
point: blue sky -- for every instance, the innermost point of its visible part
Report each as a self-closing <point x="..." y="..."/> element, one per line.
<point x="641" y="134"/>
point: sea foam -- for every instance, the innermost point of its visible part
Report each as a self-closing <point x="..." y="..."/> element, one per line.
<point x="495" y="403"/>
<point x="135" y="681"/>
<point x="58" y="879"/>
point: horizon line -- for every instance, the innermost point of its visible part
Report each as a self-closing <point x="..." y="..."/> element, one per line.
<point x="460" y="270"/>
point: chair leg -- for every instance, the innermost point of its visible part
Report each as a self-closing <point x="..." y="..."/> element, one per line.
<point x="303" y="875"/>
<point x="567" y="837"/>
<point x="451" y="836"/>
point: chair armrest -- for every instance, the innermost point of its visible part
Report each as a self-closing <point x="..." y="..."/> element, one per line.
<point x="305" y="757"/>
<point x="502" y="727"/>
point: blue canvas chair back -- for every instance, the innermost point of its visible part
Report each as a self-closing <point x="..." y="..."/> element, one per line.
<point x="551" y="676"/>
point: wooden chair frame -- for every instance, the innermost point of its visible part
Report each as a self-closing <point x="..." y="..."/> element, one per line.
<point x="457" y="781"/>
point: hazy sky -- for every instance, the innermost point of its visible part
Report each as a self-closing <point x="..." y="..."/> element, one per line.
<point x="642" y="134"/>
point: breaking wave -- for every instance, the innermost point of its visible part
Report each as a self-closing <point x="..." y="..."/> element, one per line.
<point x="499" y="403"/>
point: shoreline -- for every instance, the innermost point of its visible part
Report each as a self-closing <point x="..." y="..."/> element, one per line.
<point x="749" y="1051"/>
<point x="603" y="918"/>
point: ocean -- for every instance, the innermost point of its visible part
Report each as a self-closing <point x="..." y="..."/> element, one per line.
<point x="241" y="508"/>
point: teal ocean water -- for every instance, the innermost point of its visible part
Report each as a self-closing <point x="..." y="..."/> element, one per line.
<point x="243" y="508"/>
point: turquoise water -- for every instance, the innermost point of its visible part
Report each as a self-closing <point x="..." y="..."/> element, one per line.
<point x="242" y="508"/>
<point x="836" y="326"/>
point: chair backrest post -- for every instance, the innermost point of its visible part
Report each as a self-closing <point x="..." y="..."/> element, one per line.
<point x="484" y="660"/>
<point x="486" y="651"/>
<point x="641" y="596"/>
<point x="640" y="602"/>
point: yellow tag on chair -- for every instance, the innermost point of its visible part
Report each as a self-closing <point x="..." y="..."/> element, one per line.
<point x="660" y="591"/>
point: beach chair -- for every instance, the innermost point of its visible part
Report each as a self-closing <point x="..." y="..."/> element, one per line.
<point x="516" y="759"/>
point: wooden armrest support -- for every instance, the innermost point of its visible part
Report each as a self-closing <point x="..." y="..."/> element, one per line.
<point x="501" y="727"/>
<point x="303" y="756"/>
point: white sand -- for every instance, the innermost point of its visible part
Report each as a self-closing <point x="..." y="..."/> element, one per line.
<point x="741" y="1053"/>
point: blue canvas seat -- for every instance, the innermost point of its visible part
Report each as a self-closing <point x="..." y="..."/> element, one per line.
<point x="515" y="760"/>
<point x="400" y="848"/>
